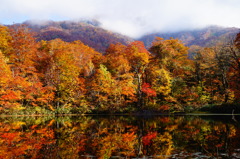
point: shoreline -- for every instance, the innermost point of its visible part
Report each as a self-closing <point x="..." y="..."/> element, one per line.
<point x="124" y="114"/>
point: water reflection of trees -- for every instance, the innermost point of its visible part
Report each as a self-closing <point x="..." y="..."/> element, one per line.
<point x="82" y="137"/>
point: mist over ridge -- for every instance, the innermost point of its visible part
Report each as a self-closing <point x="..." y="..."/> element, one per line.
<point x="133" y="18"/>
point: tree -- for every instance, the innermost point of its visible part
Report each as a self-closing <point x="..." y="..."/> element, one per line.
<point x="205" y="75"/>
<point x="231" y="54"/>
<point x="61" y="71"/>
<point x="65" y="67"/>
<point x="138" y="57"/>
<point x="171" y="55"/>
<point x="5" y="78"/>
<point x="5" y="40"/>
<point x="160" y="81"/>
<point x="102" y="87"/>
<point x="120" y="68"/>
<point x="172" y="70"/>
<point x="23" y="51"/>
<point x="5" y="72"/>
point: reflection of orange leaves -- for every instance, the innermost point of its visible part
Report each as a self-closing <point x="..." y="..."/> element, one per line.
<point x="51" y="123"/>
<point x="41" y="131"/>
<point x="219" y="145"/>
<point x="21" y="150"/>
<point x="131" y="128"/>
<point x="212" y="137"/>
<point x="17" y="124"/>
<point x="45" y="132"/>
<point x="129" y="137"/>
<point x="95" y="143"/>
<point x="147" y="139"/>
<point x="9" y="136"/>
<point x="103" y="131"/>
<point x="82" y="144"/>
<point x="165" y="119"/>
<point x="34" y="126"/>
<point x="51" y="107"/>
<point x="195" y="132"/>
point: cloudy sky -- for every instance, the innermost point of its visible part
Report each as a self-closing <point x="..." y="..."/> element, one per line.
<point x="130" y="17"/>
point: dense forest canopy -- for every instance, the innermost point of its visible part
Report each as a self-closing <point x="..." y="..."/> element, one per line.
<point x="56" y="76"/>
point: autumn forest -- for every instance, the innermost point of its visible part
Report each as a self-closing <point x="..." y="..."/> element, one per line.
<point x="59" y="77"/>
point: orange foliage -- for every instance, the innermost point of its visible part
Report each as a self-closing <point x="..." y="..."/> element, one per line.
<point x="58" y="75"/>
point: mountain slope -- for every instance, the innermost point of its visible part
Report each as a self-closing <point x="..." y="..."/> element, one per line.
<point x="206" y="37"/>
<point x="89" y="32"/>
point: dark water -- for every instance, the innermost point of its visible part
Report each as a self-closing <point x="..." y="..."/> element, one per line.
<point x="120" y="137"/>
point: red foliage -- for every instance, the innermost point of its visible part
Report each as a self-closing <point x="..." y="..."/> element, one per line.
<point x="140" y="46"/>
<point x="147" y="139"/>
<point x="146" y="88"/>
<point x="9" y="136"/>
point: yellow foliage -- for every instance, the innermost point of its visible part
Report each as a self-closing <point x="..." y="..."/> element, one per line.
<point x="162" y="82"/>
<point x="18" y="124"/>
<point x="5" y="72"/>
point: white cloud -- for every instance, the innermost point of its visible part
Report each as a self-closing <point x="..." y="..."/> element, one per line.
<point x="130" y="17"/>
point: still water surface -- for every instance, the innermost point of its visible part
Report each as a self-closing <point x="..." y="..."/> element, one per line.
<point x="120" y="137"/>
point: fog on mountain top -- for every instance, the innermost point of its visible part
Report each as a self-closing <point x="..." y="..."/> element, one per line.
<point x="133" y="18"/>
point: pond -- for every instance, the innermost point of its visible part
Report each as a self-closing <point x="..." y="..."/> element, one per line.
<point x="73" y="137"/>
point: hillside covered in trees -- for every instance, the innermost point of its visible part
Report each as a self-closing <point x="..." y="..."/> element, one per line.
<point x="56" y="76"/>
<point x="91" y="33"/>
<point x="87" y="31"/>
<point x="205" y="37"/>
